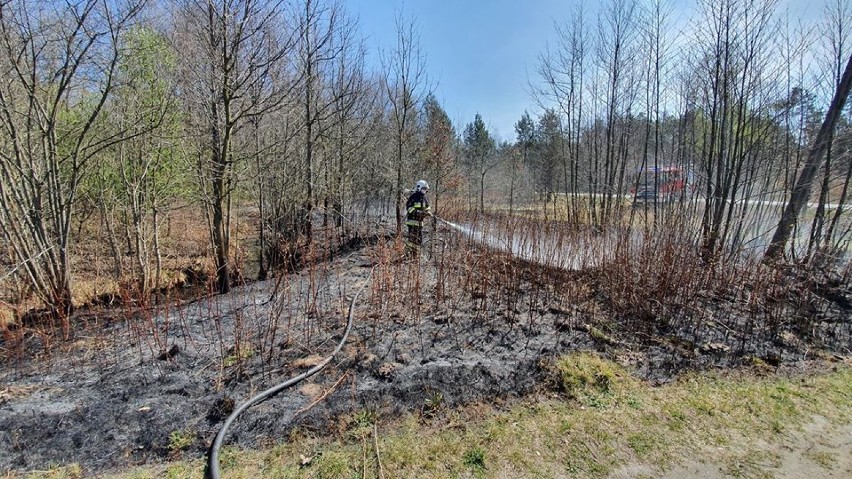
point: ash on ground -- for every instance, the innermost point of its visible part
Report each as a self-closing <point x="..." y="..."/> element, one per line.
<point x="127" y="384"/>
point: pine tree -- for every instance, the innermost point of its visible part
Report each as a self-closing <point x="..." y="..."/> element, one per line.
<point x="479" y="149"/>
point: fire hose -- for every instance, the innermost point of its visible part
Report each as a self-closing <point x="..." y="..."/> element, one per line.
<point x="211" y="470"/>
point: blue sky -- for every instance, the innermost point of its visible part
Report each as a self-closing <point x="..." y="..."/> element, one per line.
<point x="478" y="53"/>
<point x="481" y="53"/>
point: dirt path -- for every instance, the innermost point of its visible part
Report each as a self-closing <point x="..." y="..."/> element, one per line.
<point x="818" y="450"/>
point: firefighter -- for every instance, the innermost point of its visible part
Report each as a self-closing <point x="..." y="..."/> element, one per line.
<point x="417" y="209"/>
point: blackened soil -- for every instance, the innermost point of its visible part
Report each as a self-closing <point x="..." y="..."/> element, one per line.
<point x="126" y="385"/>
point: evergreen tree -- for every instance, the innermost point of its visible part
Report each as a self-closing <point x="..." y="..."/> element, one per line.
<point x="548" y="159"/>
<point x="480" y="151"/>
<point x="525" y="130"/>
<point x="440" y="147"/>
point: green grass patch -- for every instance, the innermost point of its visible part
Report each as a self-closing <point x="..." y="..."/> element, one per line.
<point x="594" y="381"/>
<point x="180" y="440"/>
<point x="70" y="471"/>
<point x="475" y="459"/>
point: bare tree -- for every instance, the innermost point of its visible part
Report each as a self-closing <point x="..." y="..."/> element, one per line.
<point x="440" y="148"/>
<point x="350" y="127"/>
<point x="656" y="46"/>
<point x="734" y="70"/>
<point x="321" y="24"/>
<point x="59" y="63"/>
<point x="280" y="188"/>
<point x="405" y="85"/>
<point x="240" y="46"/>
<point x="563" y="72"/>
<point x="616" y="47"/>
<point x="836" y="34"/>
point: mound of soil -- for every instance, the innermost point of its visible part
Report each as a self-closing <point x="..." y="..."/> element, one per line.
<point x="131" y="386"/>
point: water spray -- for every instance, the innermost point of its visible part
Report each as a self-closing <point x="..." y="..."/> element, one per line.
<point x="506" y="245"/>
<point x="546" y="251"/>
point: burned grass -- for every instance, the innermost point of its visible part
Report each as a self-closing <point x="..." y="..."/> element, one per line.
<point x="458" y="326"/>
<point x="742" y="424"/>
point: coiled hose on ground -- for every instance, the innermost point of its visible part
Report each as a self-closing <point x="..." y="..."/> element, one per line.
<point x="211" y="471"/>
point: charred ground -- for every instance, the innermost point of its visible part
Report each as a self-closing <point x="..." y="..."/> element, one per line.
<point x="460" y="324"/>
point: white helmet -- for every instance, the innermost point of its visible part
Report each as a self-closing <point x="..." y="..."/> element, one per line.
<point x="421" y="186"/>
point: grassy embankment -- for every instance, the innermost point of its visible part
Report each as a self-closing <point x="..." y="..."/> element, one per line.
<point x="603" y="422"/>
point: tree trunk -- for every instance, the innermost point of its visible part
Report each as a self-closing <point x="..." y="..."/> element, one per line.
<point x="802" y="190"/>
<point x="512" y="188"/>
<point x="220" y="241"/>
<point x="398" y="192"/>
<point x="841" y="203"/>
<point x="482" y="191"/>
<point x="158" y="256"/>
<point x="118" y="266"/>
<point x="309" y="160"/>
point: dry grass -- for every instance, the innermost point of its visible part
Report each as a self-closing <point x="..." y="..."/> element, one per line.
<point x="11" y="392"/>
<point x="184" y="243"/>
<point x="562" y="207"/>
<point x="7" y="315"/>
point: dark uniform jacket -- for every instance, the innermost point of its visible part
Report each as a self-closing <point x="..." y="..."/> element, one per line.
<point x="416" y="209"/>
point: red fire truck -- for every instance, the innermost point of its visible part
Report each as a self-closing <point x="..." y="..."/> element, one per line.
<point x="662" y="184"/>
